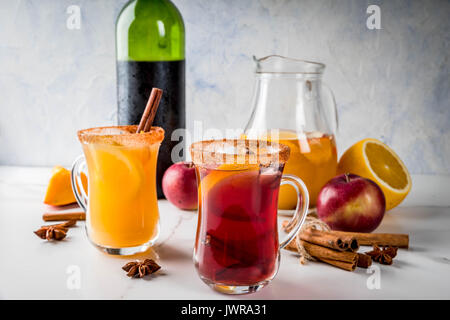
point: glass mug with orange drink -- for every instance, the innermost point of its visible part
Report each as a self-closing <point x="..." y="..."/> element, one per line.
<point x="236" y="247"/>
<point x="121" y="203"/>
<point x="292" y="106"/>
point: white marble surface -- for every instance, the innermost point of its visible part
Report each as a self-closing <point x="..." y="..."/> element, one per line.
<point x="392" y="84"/>
<point x="31" y="268"/>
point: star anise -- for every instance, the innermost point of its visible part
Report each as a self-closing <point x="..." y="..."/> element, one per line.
<point x="55" y="231"/>
<point x="138" y="269"/>
<point x="384" y="255"/>
<point x="390" y="251"/>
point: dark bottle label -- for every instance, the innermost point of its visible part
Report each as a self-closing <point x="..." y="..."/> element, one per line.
<point x="135" y="80"/>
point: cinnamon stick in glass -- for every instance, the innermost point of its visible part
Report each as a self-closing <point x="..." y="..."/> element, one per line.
<point x="150" y="110"/>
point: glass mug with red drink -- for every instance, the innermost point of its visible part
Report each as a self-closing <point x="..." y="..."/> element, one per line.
<point x="236" y="247"/>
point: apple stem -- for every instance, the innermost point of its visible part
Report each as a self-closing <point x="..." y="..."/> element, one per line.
<point x="189" y="164"/>
<point x="347" y="178"/>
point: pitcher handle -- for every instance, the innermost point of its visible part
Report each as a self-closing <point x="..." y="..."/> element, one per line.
<point x="75" y="178"/>
<point x="334" y="106"/>
<point x="301" y="209"/>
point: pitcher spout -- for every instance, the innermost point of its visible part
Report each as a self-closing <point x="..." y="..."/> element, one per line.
<point x="284" y="65"/>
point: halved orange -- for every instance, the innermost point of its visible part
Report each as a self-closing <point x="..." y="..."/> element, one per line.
<point x="372" y="159"/>
<point x="59" y="190"/>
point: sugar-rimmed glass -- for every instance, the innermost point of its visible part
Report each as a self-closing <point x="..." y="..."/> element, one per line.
<point x="237" y="249"/>
<point x="122" y="215"/>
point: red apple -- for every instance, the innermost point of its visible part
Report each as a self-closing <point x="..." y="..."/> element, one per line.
<point x="179" y="185"/>
<point x="351" y="203"/>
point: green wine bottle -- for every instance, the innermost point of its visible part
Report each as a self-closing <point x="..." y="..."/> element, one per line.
<point x="150" y="48"/>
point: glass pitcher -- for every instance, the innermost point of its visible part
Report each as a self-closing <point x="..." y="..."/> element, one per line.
<point x="292" y="106"/>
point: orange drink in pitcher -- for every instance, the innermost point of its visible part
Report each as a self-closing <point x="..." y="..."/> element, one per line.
<point x="313" y="159"/>
<point x="292" y="106"/>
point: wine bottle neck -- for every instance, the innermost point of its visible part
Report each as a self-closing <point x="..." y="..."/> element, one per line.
<point x="150" y="30"/>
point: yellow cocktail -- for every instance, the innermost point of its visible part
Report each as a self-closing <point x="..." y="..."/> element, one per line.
<point x="122" y="210"/>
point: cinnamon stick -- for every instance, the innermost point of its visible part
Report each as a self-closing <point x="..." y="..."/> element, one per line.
<point x="150" y="110"/>
<point x="381" y="239"/>
<point x="329" y="254"/>
<point x="349" y="266"/>
<point x="292" y="246"/>
<point x="58" y="216"/>
<point x="340" y="259"/>
<point x="353" y="244"/>
<point x="329" y="239"/>
<point x="326" y="239"/>
<point x="285" y="224"/>
<point x="67" y="224"/>
<point x="364" y="260"/>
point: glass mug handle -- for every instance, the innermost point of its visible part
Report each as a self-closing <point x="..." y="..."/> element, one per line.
<point x="301" y="209"/>
<point x="332" y="104"/>
<point x="75" y="178"/>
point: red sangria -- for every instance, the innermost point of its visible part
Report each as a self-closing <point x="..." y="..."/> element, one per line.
<point x="236" y="248"/>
